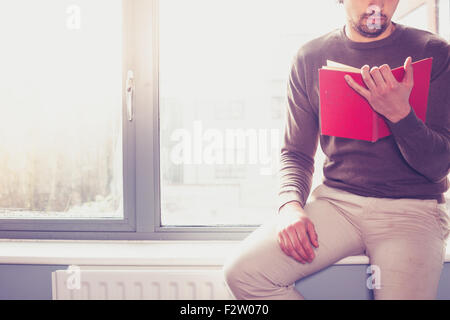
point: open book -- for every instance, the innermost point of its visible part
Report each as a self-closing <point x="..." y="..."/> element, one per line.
<point x="345" y="113"/>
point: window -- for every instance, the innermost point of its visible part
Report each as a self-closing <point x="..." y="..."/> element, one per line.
<point x="193" y="154"/>
<point x="430" y="15"/>
<point x="61" y="152"/>
<point x="418" y="17"/>
<point x="222" y="101"/>
<point x="61" y="131"/>
<point x="443" y="18"/>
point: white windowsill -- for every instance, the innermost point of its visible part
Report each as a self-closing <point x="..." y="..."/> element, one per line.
<point x="129" y="253"/>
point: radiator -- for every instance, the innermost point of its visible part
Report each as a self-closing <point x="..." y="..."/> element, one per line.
<point x="77" y="283"/>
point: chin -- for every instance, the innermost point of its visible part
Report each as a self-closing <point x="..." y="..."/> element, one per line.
<point x="365" y="31"/>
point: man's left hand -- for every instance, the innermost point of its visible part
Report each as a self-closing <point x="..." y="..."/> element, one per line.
<point x="385" y="94"/>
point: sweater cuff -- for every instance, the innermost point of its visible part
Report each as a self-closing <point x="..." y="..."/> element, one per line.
<point x="288" y="196"/>
<point x="408" y="124"/>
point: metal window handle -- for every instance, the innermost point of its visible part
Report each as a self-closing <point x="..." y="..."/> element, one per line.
<point x="130" y="94"/>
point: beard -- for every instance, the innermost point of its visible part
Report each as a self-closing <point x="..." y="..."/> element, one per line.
<point x="370" y="26"/>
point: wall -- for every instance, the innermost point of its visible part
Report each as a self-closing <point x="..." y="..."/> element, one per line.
<point x="347" y="282"/>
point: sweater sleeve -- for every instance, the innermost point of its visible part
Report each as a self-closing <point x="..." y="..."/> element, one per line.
<point x="300" y="141"/>
<point x="426" y="146"/>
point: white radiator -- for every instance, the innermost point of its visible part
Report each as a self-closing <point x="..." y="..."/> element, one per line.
<point x="139" y="284"/>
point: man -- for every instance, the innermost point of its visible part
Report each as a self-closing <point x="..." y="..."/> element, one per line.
<point x="382" y="199"/>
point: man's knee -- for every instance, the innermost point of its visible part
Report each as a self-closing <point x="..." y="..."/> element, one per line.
<point x="233" y="274"/>
<point x="236" y="275"/>
<point x="247" y="281"/>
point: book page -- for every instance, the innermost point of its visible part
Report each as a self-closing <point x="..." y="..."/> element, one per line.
<point x="333" y="65"/>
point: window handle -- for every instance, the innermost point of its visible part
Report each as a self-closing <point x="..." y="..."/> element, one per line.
<point x="130" y="94"/>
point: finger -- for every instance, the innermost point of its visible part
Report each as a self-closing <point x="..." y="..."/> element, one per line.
<point x="283" y="243"/>
<point x="388" y="76"/>
<point x="365" y="73"/>
<point x="298" y="246"/>
<point x="312" y="234"/>
<point x="355" y="86"/>
<point x="304" y="240"/>
<point x="378" y="78"/>
<point x="292" y="250"/>
<point x="409" y="72"/>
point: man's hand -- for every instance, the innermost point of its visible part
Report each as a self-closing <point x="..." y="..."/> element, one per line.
<point x="386" y="95"/>
<point x="296" y="233"/>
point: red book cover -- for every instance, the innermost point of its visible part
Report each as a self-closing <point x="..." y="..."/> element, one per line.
<point x="345" y="113"/>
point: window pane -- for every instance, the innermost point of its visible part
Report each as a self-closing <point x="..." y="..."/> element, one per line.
<point x="60" y="96"/>
<point x="418" y="18"/>
<point x="444" y="19"/>
<point x="223" y="76"/>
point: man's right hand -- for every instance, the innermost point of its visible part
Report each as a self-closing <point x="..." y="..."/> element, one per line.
<point x="296" y="232"/>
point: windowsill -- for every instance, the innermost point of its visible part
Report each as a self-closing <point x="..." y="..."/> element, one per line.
<point x="129" y="253"/>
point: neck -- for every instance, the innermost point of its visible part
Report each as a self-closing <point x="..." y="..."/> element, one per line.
<point x="356" y="36"/>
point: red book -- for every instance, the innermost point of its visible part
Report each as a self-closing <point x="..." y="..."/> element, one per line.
<point x="345" y="113"/>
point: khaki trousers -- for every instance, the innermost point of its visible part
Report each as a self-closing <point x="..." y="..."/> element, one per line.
<point x="405" y="240"/>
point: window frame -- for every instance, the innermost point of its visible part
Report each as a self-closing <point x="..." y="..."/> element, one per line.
<point x="141" y="155"/>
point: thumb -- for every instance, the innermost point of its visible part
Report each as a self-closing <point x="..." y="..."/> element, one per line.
<point x="409" y="72"/>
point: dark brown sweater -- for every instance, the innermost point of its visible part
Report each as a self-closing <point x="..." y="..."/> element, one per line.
<point x="413" y="162"/>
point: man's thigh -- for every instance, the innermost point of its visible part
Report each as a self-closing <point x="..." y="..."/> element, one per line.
<point x="406" y="242"/>
<point x="261" y="257"/>
<point x="407" y="269"/>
